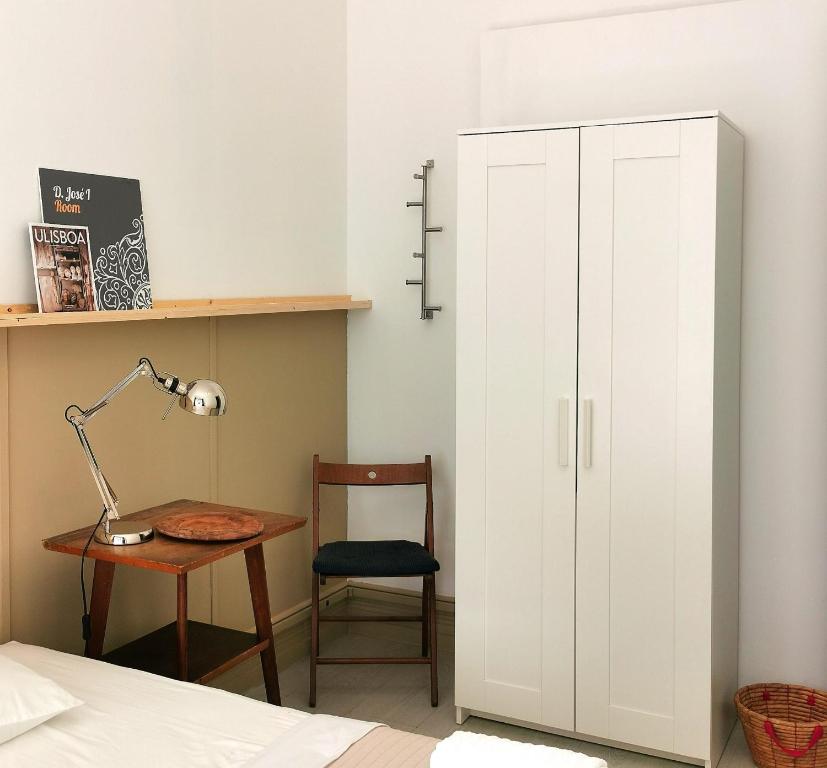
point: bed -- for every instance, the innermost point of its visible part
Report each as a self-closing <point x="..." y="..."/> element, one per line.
<point x="132" y="719"/>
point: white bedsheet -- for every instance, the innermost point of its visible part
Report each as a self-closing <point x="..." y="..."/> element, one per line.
<point x="313" y="743"/>
<point x="132" y="719"/>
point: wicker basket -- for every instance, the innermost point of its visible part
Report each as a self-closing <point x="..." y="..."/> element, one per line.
<point x="785" y="725"/>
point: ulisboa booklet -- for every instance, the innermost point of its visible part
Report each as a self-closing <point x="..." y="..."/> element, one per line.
<point x="111" y="208"/>
<point x="62" y="268"/>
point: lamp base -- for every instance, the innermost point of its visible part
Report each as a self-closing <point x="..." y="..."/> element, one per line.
<point x="123" y="532"/>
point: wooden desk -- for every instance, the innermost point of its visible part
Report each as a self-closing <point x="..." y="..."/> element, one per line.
<point x="203" y="651"/>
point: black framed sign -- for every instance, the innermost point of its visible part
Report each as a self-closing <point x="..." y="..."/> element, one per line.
<point x="111" y="208"/>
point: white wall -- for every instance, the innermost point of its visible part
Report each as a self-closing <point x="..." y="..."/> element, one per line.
<point x="414" y="78"/>
<point x="764" y="63"/>
<point x="232" y="115"/>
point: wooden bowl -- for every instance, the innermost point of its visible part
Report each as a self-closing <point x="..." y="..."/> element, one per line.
<point x="210" y="526"/>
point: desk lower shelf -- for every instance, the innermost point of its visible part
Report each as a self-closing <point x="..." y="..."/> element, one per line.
<point x="212" y="650"/>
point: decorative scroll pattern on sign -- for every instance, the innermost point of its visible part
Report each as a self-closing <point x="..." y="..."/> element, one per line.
<point x="122" y="272"/>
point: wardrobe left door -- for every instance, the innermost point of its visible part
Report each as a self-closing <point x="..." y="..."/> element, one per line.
<point x="516" y="397"/>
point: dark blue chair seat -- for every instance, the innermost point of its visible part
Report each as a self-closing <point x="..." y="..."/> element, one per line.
<point x="374" y="558"/>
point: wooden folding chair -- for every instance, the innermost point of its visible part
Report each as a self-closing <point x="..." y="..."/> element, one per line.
<point x="376" y="558"/>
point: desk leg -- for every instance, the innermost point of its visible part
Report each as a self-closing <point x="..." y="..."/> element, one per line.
<point x="183" y="660"/>
<point x="99" y="610"/>
<point x="257" y="576"/>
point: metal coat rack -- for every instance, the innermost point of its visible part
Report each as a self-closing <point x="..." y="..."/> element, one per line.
<point x="426" y="310"/>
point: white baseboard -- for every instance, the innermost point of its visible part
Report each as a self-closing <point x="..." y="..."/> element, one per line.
<point x="291" y="627"/>
<point x="379" y="598"/>
<point x="444" y="603"/>
<point x="291" y="630"/>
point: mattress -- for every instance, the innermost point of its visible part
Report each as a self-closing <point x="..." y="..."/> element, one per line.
<point x="136" y="720"/>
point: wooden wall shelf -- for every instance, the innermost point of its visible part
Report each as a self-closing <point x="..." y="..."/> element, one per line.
<point x="25" y="315"/>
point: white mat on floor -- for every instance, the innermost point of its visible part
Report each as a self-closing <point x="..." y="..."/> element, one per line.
<point x="462" y="748"/>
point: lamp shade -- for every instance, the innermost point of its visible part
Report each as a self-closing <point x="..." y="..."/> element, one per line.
<point x="204" y="397"/>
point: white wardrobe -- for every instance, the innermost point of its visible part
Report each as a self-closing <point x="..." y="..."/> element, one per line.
<point x="598" y="347"/>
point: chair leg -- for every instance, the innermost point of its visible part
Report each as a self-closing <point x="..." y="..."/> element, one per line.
<point x="432" y="632"/>
<point x="425" y="614"/>
<point x="314" y="637"/>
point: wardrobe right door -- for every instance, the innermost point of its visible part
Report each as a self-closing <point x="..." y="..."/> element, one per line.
<point x="645" y="363"/>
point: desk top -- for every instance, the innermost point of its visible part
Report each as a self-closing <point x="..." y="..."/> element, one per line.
<point x="173" y="555"/>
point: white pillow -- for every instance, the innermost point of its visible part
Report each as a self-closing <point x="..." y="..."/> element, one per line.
<point x="27" y="699"/>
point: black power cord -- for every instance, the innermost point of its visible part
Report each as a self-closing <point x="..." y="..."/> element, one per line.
<point x="151" y="366"/>
<point x="86" y="619"/>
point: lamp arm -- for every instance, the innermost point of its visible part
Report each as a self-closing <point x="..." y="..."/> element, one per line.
<point x="110" y="500"/>
<point x="79" y="419"/>
<point x="144" y="368"/>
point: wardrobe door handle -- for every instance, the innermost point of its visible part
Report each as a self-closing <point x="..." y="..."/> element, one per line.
<point x="587" y="433"/>
<point x="563" y="431"/>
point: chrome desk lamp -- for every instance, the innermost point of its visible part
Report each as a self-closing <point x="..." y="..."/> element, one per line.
<point x="202" y="397"/>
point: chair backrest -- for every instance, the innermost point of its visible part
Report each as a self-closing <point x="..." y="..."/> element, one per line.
<point x="325" y="473"/>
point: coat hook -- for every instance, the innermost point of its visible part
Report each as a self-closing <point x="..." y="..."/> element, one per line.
<point x="426" y="310"/>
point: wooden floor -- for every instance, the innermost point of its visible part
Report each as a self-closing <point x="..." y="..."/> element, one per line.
<point x="398" y="696"/>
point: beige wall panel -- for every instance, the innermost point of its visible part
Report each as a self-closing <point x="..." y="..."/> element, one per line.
<point x="148" y="462"/>
<point x="4" y="491"/>
<point x="285" y="377"/>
